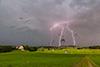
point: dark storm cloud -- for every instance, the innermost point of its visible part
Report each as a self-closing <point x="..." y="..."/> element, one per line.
<point x="28" y="21"/>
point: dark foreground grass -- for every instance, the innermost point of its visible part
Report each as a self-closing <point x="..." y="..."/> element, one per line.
<point x="31" y="59"/>
<point x="95" y="59"/>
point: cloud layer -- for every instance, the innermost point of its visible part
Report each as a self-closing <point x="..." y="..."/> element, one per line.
<point x="28" y="21"/>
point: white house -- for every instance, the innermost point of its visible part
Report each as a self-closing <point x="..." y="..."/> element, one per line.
<point x="21" y="48"/>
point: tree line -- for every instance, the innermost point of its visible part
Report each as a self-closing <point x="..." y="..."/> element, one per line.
<point x="31" y="48"/>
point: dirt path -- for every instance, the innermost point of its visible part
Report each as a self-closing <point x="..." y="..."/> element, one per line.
<point x="90" y="65"/>
<point x="86" y="62"/>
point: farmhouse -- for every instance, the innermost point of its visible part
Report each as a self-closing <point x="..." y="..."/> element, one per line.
<point x="21" y="48"/>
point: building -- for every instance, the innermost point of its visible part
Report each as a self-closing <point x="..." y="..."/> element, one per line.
<point x="21" y="48"/>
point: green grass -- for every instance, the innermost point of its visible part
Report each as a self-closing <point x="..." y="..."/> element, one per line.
<point x="95" y="59"/>
<point x="35" y="59"/>
<point x="88" y="51"/>
<point x="94" y="55"/>
<point x="86" y="62"/>
<point x="73" y="51"/>
<point x="49" y="58"/>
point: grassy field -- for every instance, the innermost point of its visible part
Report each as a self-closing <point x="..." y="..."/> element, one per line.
<point x="49" y="58"/>
<point x="73" y="51"/>
<point x="95" y="59"/>
<point x="89" y="61"/>
<point x="31" y="59"/>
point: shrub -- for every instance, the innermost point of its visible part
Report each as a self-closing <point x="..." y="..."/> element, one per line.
<point x="32" y="49"/>
<point x="5" y="48"/>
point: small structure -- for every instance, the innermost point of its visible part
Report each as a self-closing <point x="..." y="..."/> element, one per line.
<point x="66" y="52"/>
<point x="21" y="48"/>
<point x="53" y="50"/>
<point x="17" y="47"/>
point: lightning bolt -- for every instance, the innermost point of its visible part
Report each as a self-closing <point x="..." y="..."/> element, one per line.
<point x="63" y="26"/>
<point x="72" y="32"/>
<point x="51" y="42"/>
<point x="51" y="28"/>
<point x="61" y="34"/>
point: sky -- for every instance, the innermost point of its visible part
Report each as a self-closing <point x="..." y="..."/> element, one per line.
<point x="27" y="22"/>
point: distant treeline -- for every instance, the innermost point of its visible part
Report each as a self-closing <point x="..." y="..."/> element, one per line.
<point x="10" y="48"/>
<point x="6" y="48"/>
<point x="94" y="47"/>
<point x="34" y="48"/>
<point x="31" y="48"/>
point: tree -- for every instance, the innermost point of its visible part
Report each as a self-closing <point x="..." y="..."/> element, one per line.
<point x="26" y="47"/>
<point x="5" y="48"/>
<point x="32" y="49"/>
